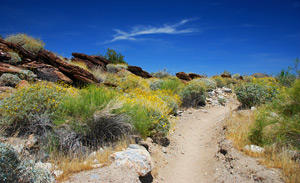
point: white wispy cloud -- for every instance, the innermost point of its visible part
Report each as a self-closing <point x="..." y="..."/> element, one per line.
<point x="146" y="30"/>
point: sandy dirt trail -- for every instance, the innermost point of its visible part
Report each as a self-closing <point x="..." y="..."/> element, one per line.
<point x="191" y="154"/>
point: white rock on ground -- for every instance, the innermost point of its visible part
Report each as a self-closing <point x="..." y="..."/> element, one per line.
<point x="227" y="90"/>
<point x="254" y="148"/>
<point x="136" y="157"/>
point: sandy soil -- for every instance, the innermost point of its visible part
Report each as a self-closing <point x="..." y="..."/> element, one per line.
<point x="199" y="153"/>
<point x="191" y="154"/>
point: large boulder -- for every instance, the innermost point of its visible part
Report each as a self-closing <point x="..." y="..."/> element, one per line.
<point x="139" y="72"/>
<point x="259" y="75"/>
<point x="47" y="72"/>
<point x="194" y="76"/>
<point x="136" y="157"/>
<point x="183" y="76"/>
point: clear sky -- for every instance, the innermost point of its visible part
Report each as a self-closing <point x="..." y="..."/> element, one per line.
<point x="242" y="36"/>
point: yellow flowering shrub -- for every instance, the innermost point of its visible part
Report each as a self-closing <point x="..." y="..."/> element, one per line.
<point x="22" y="106"/>
<point x="132" y="82"/>
<point x="156" y="106"/>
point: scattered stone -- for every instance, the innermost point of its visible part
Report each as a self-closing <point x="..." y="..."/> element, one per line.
<point x="253" y="108"/>
<point x="98" y="165"/>
<point x="227" y="90"/>
<point x="135" y="156"/>
<point x="164" y="150"/>
<point x="254" y="148"/>
<point x="202" y="110"/>
<point x="58" y="173"/>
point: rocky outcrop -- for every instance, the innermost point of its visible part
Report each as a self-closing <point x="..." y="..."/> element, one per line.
<point x="226" y="75"/>
<point x="47" y="72"/>
<point x="139" y="72"/>
<point x="183" y="76"/>
<point x="91" y="61"/>
<point x="77" y="74"/>
<point x="18" y="49"/>
<point x="47" y="66"/>
<point x="194" y="76"/>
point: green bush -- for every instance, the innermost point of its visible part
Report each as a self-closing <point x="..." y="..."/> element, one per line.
<point x="82" y="107"/>
<point x="139" y="117"/>
<point x="19" y="110"/>
<point x="9" y="163"/>
<point x="10" y="79"/>
<point x="28" y="43"/>
<point x="251" y="94"/>
<point x="15" y="58"/>
<point x="155" y="84"/>
<point x="173" y="84"/>
<point x="161" y="74"/>
<point x="209" y="84"/>
<point x="193" y="95"/>
<point x="279" y="122"/>
<point x="14" y="170"/>
<point x="114" y="57"/>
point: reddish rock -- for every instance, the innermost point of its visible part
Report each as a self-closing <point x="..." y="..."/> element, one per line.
<point x="4" y="55"/>
<point x="47" y="72"/>
<point x="193" y="76"/>
<point x="23" y="84"/>
<point x="19" y="49"/>
<point x="226" y="75"/>
<point x="89" y="64"/>
<point x="139" y="72"/>
<point x="7" y="68"/>
<point x="77" y="74"/>
<point x="183" y="76"/>
<point x="97" y="61"/>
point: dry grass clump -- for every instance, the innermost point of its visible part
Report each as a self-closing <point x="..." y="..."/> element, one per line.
<point x="28" y="43"/>
<point x="239" y="125"/>
<point x="71" y="164"/>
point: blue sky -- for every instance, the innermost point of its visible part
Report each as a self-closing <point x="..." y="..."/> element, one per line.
<point x="242" y="36"/>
